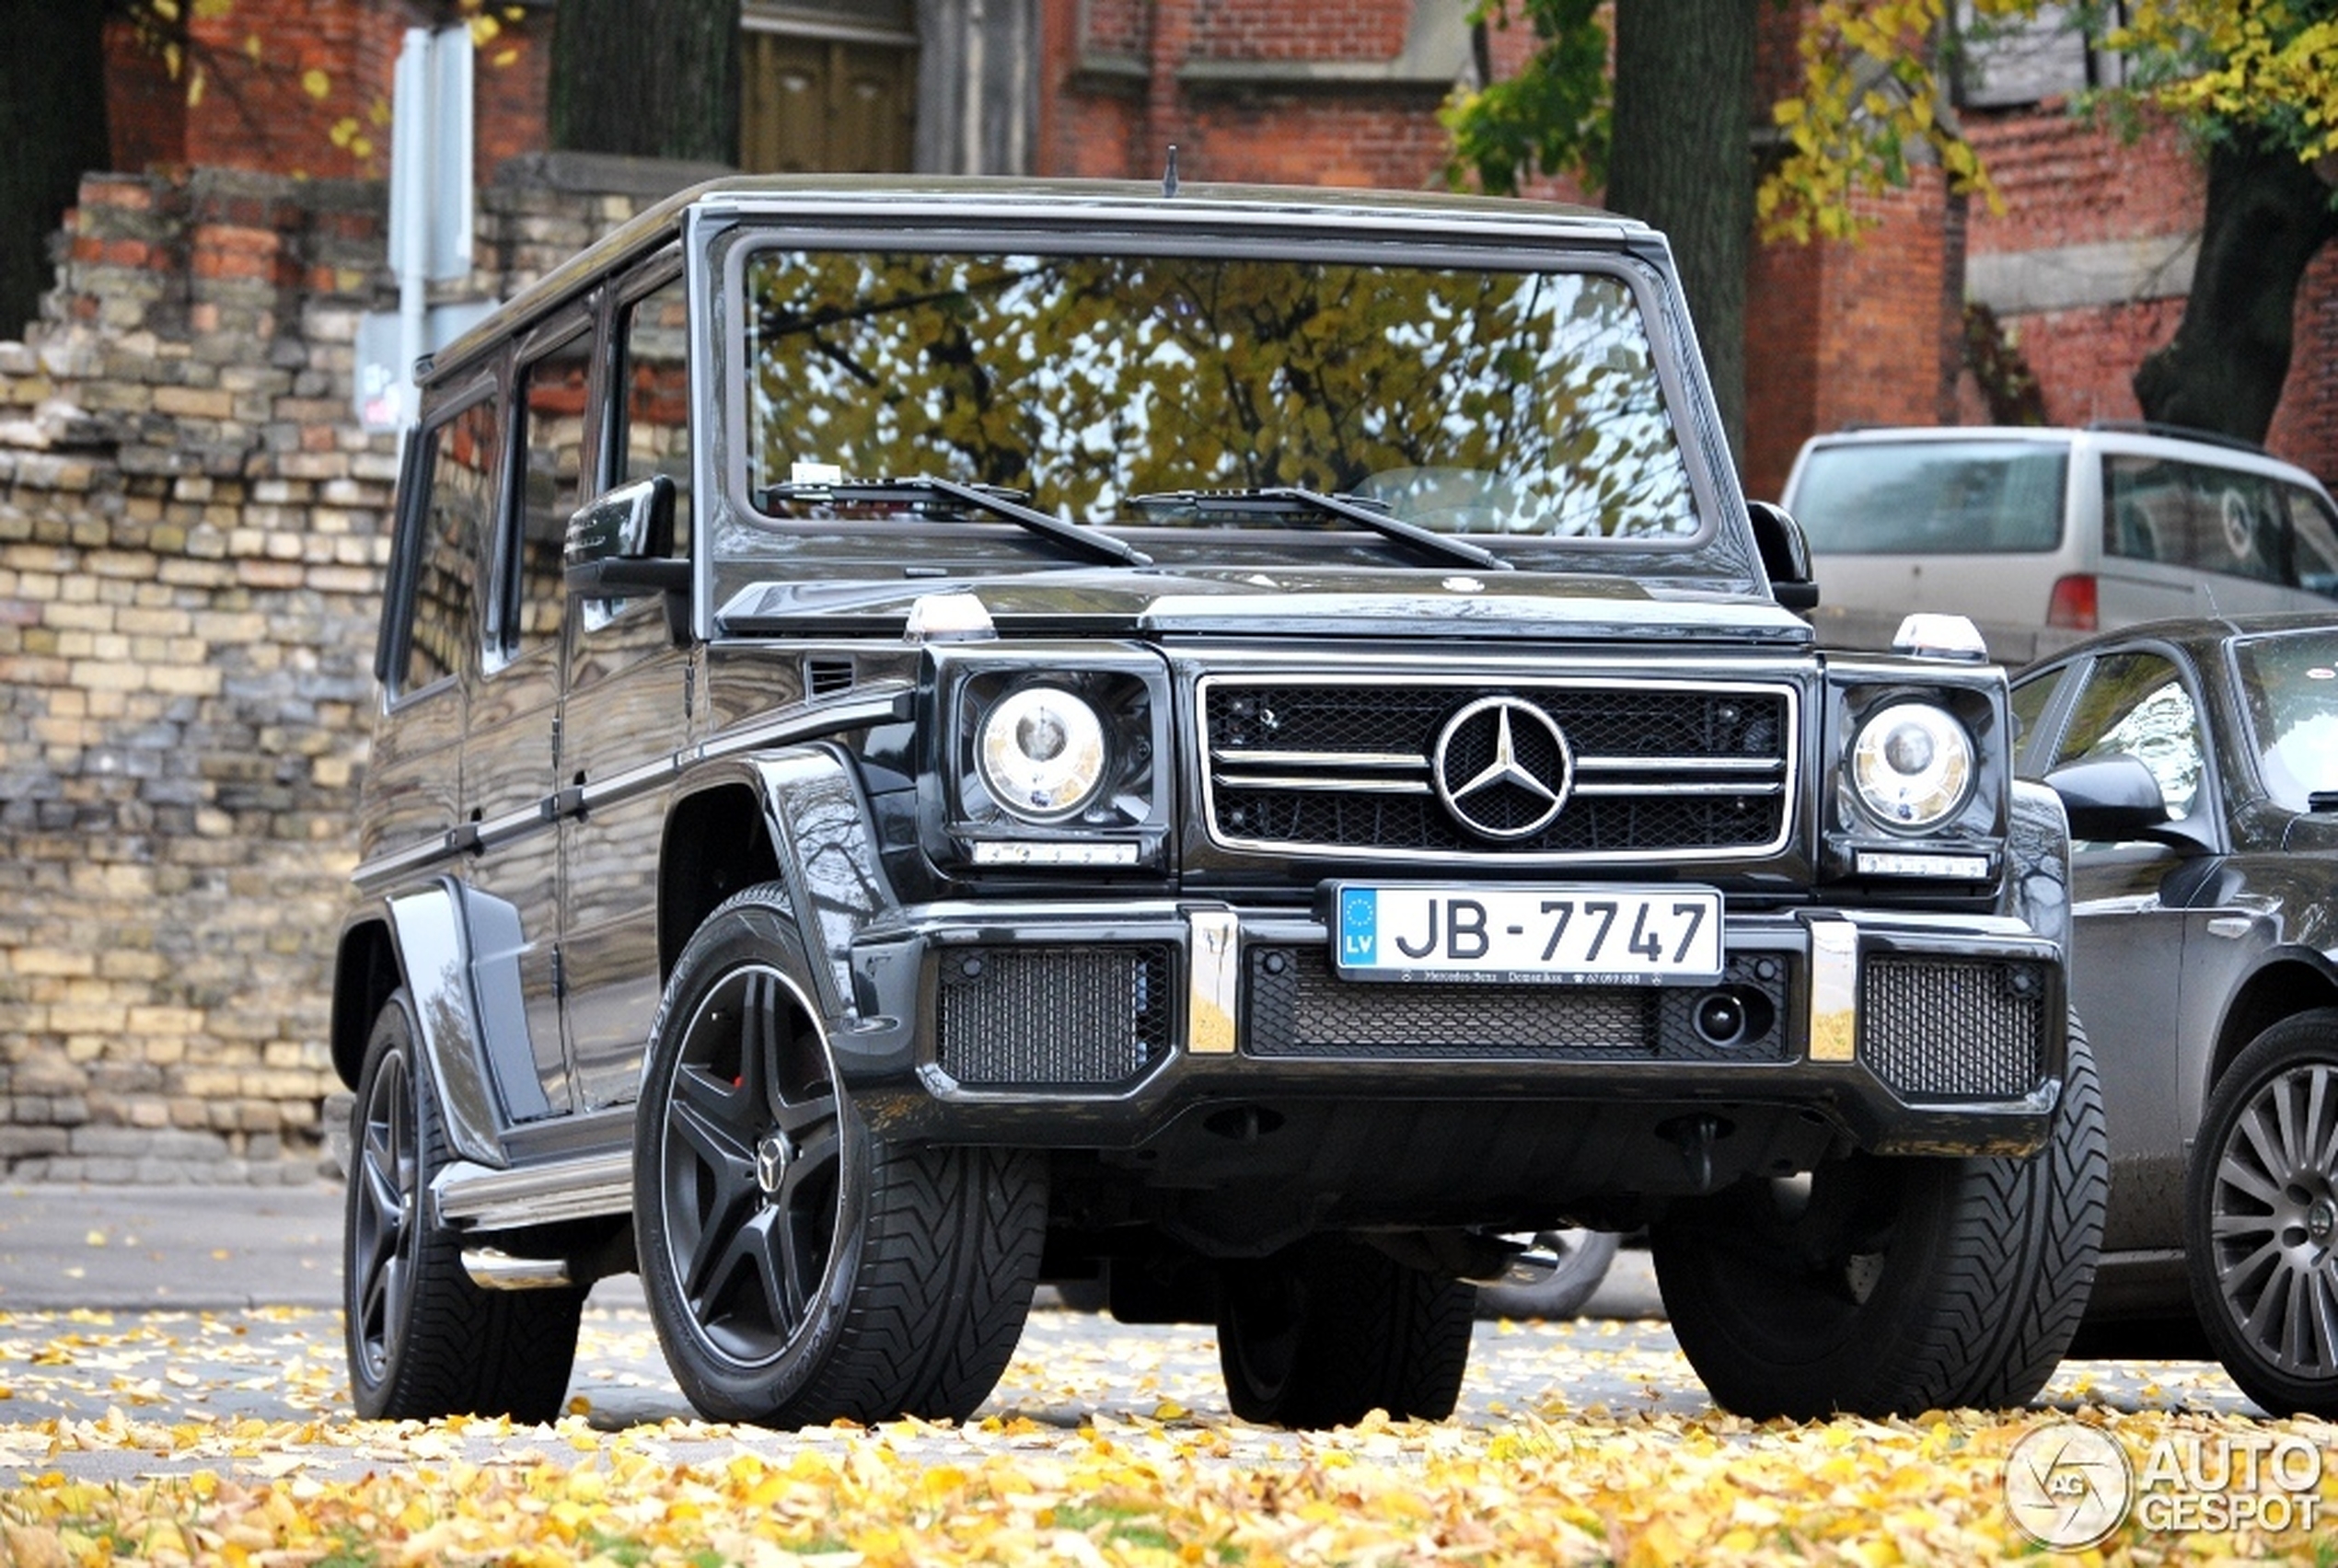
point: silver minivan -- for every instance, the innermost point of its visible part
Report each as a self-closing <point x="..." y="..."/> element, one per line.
<point x="2044" y="535"/>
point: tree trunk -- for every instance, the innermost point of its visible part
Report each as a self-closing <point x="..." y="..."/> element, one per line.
<point x="653" y="79"/>
<point x="1682" y="161"/>
<point x="52" y="126"/>
<point x="2267" y="215"/>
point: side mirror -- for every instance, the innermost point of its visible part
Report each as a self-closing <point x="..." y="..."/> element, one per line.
<point x="1786" y="555"/>
<point x="2112" y="799"/>
<point x="619" y="547"/>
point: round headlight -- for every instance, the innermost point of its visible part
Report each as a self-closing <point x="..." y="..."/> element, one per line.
<point x="1912" y="766"/>
<point x="1041" y="752"/>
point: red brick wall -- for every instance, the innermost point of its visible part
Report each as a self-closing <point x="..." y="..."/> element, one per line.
<point x="1322" y="29"/>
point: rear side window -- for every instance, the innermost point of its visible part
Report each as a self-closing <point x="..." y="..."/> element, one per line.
<point x="1932" y="497"/>
<point x="461" y="463"/>
<point x="2193" y="515"/>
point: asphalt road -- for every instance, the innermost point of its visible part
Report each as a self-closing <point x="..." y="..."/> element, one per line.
<point x="133" y="1316"/>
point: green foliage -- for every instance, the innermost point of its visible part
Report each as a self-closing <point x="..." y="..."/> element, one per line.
<point x="1551" y="118"/>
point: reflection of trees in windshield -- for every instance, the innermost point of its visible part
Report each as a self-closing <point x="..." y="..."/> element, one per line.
<point x="1466" y="401"/>
<point x="2291" y="683"/>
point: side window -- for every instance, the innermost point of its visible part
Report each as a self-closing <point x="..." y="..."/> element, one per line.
<point x="653" y="436"/>
<point x="553" y="406"/>
<point x="2314" y="541"/>
<point x="2136" y="703"/>
<point x="461" y="465"/>
<point x="2190" y="515"/>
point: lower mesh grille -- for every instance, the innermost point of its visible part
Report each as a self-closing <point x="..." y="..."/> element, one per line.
<point x="1297" y="1006"/>
<point x="1046" y="1015"/>
<point x="1954" y="1029"/>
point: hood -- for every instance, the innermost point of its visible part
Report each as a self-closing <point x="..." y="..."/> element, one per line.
<point x="1402" y="604"/>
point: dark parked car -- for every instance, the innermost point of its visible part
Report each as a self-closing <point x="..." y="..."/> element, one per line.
<point x="2199" y="760"/>
<point x="1240" y="745"/>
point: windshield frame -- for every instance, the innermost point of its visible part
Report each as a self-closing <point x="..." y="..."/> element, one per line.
<point x="1711" y="550"/>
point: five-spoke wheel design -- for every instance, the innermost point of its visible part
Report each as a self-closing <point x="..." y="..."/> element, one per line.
<point x="423" y="1340"/>
<point x="750" y="1167"/>
<point x="383" y="1184"/>
<point x="2263" y="1216"/>
<point x="801" y="1267"/>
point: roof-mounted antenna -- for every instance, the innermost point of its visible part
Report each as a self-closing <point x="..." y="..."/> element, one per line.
<point x="1169" y="177"/>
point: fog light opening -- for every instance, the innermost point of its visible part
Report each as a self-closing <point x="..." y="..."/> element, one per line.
<point x="1731" y="1017"/>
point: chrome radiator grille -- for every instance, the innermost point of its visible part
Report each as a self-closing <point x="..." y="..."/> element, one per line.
<point x="1663" y="770"/>
<point x="1953" y="1029"/>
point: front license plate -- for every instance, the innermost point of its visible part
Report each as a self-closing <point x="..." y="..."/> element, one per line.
<point x="1580" y="935"/>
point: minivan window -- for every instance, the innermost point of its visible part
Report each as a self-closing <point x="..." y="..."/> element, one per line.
<point x="461" y="463"/>
<point x="2314" y="540"/>
<point x="2224" y="520"/>
<point x="1521" y="403"/>
<point x="1932" y="497"/>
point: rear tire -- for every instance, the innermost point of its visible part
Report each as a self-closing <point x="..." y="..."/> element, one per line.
<point x="800" y="1268"/>
<point x="423" y="1341"/>
<point x="1891" y="1285"/>
<point x="1326" y="1332"/>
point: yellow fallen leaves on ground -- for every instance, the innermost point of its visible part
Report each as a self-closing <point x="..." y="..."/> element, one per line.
<point x="1636" y="1491"/>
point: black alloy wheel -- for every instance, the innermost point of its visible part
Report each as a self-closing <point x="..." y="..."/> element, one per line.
<point x="802" y="1268"/>
<point x="423" y="1340"/>
<point x="2261" y="1218"/>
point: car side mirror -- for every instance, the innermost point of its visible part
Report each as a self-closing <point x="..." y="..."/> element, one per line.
<point x="2112" y="799"/>
<point x="620" y="546"/>
<point x="1786" y="555"/>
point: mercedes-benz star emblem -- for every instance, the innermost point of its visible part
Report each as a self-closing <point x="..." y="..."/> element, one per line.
<point x="771" y="1158"/>
<point x="1503" y="767"/>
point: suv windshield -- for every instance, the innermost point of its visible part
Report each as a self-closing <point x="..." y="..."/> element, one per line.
<point x="1139" y="390"/>
<point x="1932" y="497"/>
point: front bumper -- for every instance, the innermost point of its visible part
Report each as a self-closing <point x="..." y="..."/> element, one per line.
<point x="1097" y="1026"/>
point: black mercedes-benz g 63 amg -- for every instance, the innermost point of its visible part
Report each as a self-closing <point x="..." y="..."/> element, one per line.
<point x="1242" y="745"/>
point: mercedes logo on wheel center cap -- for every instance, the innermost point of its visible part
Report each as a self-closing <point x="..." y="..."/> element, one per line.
<point x="1503" y="767"/>
<point x="771" y="1156"/>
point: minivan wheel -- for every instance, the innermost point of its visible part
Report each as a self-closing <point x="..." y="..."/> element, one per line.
<point x="1327" y="1331"/>
<point x="423" y="1341"/>
<point x="799" y="1266"/>
<point x="1890" y="1285"/>
<point x="2261" y="1218"/>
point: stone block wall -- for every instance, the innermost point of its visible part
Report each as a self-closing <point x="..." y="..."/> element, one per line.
<point x="193" y="531"/>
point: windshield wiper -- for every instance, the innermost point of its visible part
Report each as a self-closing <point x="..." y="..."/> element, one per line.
<point x="1427" y="541"/>
<point x="921" y="488"/>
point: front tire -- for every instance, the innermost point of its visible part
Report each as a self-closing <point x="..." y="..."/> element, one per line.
<point x="2261" y="1218"/>
<point x="423" y="1341"/>
<point x="800" y="1268"/>
<point x="1890" y="1285"/>
<point x="1327" y="1331"/>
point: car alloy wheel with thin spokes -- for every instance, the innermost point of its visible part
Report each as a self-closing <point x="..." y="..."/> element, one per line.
<point x="749" y="1169"/>
<point x="2263" y="1216"/>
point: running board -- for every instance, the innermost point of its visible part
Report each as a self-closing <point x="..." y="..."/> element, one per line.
<point x="476" y="1197"/>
